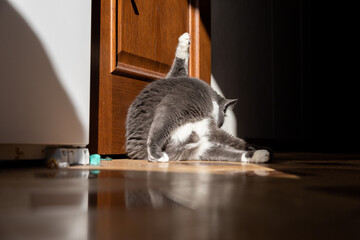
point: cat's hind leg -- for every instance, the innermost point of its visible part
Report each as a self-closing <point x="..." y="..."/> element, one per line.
<point x="161" y="127"/>
<point x="221" y="153"/>
<point x="220" y="136"/>
<point x="228" y="141"/>
<point x="180" y="64"/>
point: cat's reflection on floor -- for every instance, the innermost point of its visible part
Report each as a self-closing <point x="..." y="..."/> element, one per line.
<point x="192" y="192"/>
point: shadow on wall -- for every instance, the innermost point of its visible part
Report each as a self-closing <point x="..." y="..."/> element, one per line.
<point x="241" y="56"/>
<point x="205" y="5"/>
<point x="33" y="104"/>
<point x="293" y="67"/>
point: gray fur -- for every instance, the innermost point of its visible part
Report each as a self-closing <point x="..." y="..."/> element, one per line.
<point x="167" y="104"/>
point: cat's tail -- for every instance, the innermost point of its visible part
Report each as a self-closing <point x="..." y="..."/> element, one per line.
<point x="180" y="65"/>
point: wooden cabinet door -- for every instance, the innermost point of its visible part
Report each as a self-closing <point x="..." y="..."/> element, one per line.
<point x="138" y="39"/>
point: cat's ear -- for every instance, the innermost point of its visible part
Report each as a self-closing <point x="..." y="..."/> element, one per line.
<point x="229" y="103"/>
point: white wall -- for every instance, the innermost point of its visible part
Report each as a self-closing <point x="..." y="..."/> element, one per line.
<point x="45" y="71"/>
<point x="230" y="124"/>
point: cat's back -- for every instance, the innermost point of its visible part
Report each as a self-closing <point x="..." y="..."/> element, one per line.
<point x="184" y="88"/>
<point x="181" y="92"/>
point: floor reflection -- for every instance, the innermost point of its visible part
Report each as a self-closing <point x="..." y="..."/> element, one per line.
<point x="159" y="203"/>
<point x="43" y="204"/>
<point x="154" y="190"/>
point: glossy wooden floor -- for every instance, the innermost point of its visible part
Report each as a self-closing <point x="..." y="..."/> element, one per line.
<point x="297" y="196"/>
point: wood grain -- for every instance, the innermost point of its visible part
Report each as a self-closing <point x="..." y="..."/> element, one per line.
<point x="147" y="41"/>
<point x="105" y="83"/>
<point x="200" y="32"/>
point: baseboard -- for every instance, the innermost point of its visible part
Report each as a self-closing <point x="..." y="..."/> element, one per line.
<point x="22" y="151"/>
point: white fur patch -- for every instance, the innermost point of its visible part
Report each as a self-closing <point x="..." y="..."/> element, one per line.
<point x="182" y="133"/>
<point x="245" y="159"/>
<point x="215" y="112"/>
<point x="203" y="146"/>
<point x="201" y="128"/>
<point x="182" y="50"/>
<point x="164" y="158"/>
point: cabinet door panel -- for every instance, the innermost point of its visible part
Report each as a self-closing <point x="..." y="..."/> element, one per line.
<point x="145" y="38"/>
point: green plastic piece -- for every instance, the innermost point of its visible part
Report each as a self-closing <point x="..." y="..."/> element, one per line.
<point x="95" y="160"/>
<point x="106" y="159"/>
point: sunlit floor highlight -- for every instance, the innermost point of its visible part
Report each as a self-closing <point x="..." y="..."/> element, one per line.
<point x="210" y="167"/>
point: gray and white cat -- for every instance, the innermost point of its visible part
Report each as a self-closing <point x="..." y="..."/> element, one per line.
<point x="179" y="118"/>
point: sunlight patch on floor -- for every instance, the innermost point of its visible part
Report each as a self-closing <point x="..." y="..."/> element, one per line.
<point x="209" y="167"/>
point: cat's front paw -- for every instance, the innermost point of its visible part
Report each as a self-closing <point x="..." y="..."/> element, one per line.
<point x="182" y="50"/>
<point x="258" y="156"/>
<point x="261" y="156"/>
